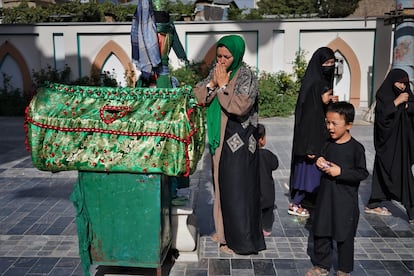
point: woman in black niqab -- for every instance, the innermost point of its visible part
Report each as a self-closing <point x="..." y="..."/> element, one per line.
<point x="394" y="145"/>
<point x="310" y="131"/>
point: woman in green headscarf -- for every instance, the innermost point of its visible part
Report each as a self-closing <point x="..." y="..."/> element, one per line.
<point x="230" y="94"/>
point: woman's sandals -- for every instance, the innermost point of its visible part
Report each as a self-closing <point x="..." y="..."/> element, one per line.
<point x="380" y="211"/>
<point x="225" y="249"/>
<point x="297" y="210"/>
<point x="317" y="271"/>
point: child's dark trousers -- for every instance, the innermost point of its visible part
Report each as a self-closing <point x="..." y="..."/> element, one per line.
<point x="323" y="250"/>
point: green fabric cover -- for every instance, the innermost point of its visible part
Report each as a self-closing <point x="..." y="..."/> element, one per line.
<point x="139" y="130"/>
<point x="123" y="219"/>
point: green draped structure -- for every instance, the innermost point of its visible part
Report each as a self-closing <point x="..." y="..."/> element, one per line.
<point x="125" y="143"/>
<point x="130" y="145"/>
<point x="108" y="129"/>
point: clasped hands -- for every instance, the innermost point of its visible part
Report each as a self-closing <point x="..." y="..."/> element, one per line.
<point x="220" y="77"/>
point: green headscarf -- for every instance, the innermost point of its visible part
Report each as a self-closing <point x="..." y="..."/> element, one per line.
<point x="235" y="44"/>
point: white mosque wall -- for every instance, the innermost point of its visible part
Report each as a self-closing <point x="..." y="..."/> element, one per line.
<point x="271" y="46"/>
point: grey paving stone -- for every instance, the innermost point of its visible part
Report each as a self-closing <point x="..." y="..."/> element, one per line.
<point x="38" y="232"/>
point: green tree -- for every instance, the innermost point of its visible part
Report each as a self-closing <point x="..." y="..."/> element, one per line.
<point x="235" y="14"/>
<point x="177" y="9"/>
<point x="23" y="14"/>
<point x="306" y="8"/>
<point x="253" y="15"/>
<point x="287" y="8"/>
<point x="337" y="8"/>
<point x="272" y="7"/>
<point x="242" y="14"/>
<point x="74" y="11"/>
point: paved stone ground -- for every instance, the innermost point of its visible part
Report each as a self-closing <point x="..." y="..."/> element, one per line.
<point x="38" y="230"/>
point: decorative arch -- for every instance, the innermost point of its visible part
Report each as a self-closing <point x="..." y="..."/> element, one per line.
<point x="108" y="49"/>
<point x="9" y="49"/>
<point x="349" y="55"/>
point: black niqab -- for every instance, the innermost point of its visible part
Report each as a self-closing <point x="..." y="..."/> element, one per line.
<point x="394" y="142"/>
<point x="310" y="131"/>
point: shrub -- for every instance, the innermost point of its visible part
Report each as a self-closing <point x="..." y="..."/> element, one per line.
<point x="52" y="75"/>
<point x="190" y="74"/>
<point x="278" y="93"/>
<point x="12" y="101"/>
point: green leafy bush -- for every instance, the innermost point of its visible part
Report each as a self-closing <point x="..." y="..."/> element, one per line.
<point x="277" y="94"/>
<point x="12" y="101"/>
<point x="72" y="11"/>
<point x="52" y="75"/>
<point x="190" y="74"/>
<point x="278" y="91"/>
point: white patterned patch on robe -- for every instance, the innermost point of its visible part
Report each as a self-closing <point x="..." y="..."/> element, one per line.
<point x="253" y="119"/>
<point x="252" y="144"/>
<point x="235" y="142"/>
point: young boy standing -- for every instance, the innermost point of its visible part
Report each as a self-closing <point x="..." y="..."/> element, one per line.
<point x="336" y="214"/>
<point x="268" y="163"/>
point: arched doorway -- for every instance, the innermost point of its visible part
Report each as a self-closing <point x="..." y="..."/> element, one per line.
<point x="352" y="67"/>
<point x="10" y="61"/>
<point x="113" y="59"/>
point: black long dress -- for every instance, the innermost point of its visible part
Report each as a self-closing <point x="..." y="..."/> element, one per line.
<point x="232" y="118"/>
<point x="310" y="133"/>
<point x="394" y="145"/>
<point x="336" y="212"/>
<point x="237" y="212"/>
<point x="239" y="191"/>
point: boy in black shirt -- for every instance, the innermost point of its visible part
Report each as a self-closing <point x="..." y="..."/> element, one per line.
<point x="336" y="214"/>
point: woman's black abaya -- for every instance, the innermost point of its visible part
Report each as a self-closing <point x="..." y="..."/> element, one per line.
<point x="394" y="144"/>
